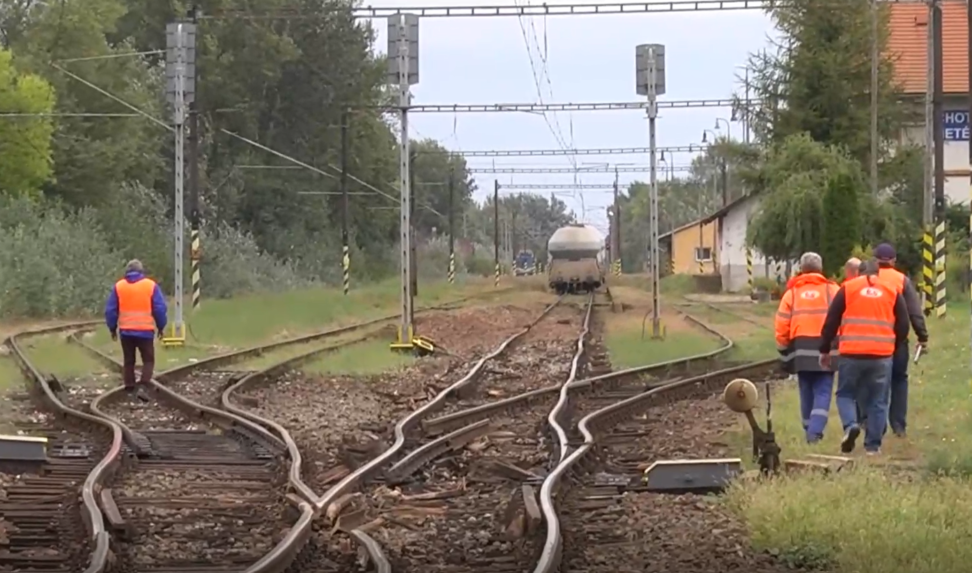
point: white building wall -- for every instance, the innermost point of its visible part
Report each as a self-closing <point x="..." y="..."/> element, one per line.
<point x="732" y="248"/>
<point x="956" y="154"/>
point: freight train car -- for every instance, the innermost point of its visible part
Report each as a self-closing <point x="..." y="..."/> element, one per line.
<point x="574" y="253"/>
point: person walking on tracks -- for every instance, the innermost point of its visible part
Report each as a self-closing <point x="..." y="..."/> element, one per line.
<point x="898" y="408"/>
<point x="799" y="322"/>
<point x="135" y="311"/>
<point x="872" y="319"/>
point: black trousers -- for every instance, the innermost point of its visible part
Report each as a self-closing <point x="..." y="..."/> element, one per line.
<point x="146" y="348"/>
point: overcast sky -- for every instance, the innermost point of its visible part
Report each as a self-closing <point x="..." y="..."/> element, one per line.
<point x="575" y="59"/>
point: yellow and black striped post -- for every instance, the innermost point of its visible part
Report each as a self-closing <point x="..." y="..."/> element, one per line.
<point x="749" y="269"/>
<point x="195" y="254"/>
<point x="940" y="294"/>
<point x="496" y="279"/>
<point x="452" y="268"/>
<point x="928" y="270"/>
<point x="701" y="264"/>
<point x="346" y="267"/>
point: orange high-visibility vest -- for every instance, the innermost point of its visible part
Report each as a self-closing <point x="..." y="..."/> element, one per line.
<point x="868" y="323"/>
<point x="800" y="320"/>
<point x="893" y="277"/>
<point x="135" y="304"/>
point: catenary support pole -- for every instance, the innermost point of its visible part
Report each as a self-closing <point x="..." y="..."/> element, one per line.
<point x="413" y="188"/>
<point x="496" y="230"/>
<point x="406" y="331"/>
<point x="940" y="227"/>
<point x="452" y="227"/>
<point x="179" y="169"/>
<point x="345" y="244"/>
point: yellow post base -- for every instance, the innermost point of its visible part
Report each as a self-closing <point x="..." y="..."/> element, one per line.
<point x="175" y="338"/>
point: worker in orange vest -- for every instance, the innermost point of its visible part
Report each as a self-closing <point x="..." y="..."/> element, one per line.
<point x="898" y="408"/>
<point x="136" y="310"/>
<point x="872" y="319"/>
<point x="799" y="322"/>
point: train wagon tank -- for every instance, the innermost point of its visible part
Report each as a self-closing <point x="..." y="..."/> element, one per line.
<point x="574" y="253"/>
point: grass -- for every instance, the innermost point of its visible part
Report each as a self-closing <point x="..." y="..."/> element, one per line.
<point x="628" y="335"/>
<point x="904" y="511"/>
<point x="226" y="325"/>
<point x="361" y="359"/>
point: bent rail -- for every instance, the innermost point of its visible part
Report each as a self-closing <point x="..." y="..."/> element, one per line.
<point x="93" y="518"/>
<point x="558" y="408"/>
<point x="552" y="552"/>
<point x="412" y="421"/>
<point x="285" y="552"/>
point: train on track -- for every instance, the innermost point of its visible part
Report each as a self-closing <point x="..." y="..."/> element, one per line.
<point x="576" y="259"/>
<point x="525" y="263"/>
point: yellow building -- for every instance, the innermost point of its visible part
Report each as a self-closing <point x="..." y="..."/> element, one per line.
<point x="693" y="248"/>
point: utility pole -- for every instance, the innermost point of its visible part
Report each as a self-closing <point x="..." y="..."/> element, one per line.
<point x="195" y="247"/>
<point x="345" y="244"/>
<point x="180" y="90"/>
<point x="928" y="202"/>
<point x="496" y="228"/>
<point x="875" y="57"/>
<point x="938" y="103"/>
<point x="452" y="224"/>
<point x="650" y="82"/>
<point x="617" y="227"/>
<point x="403" y="72"/>
<point x="411" y="246"/>
<point x="969" y="111"/>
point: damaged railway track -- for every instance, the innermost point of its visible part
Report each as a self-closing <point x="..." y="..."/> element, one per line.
<point x="67" y="518"/>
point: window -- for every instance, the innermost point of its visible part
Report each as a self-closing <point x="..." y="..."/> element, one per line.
<point x="703" y="254"/>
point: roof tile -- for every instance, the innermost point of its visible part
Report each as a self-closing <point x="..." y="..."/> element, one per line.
<point x="908" y="46"/>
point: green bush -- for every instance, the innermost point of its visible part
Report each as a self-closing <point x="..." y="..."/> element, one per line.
<point x="233" y="264"/>
<point x="53" y="263"/>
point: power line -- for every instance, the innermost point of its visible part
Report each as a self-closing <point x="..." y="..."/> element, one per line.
<point x="540" y="108"/>
<point x="588" y="151"/>
<point x="565" y="9"/>
<point x="552" y="170"/>
<point x="553" y="186"/>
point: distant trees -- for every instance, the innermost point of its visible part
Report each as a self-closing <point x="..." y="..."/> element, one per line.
<point x="25" y="142"/>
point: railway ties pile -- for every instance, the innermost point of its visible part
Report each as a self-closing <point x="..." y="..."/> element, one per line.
<point x="41" y="527"/>
<point x="474" y="509"/>
<point x="195" y="497"/>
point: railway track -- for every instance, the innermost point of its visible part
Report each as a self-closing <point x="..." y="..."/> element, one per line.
<point x="64" y="519"/>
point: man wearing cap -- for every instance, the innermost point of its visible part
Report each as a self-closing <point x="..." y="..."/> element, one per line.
<point x="898" y="408"/>
<point x="872" y="319"/>
<point x="135" y="310"/>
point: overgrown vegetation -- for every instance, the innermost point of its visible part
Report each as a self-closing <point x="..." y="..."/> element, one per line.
<point x="85" y="184"/>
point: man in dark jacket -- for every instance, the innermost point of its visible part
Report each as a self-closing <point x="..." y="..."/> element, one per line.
<point x="872" y="319"/>
<point x="898" y="408"/>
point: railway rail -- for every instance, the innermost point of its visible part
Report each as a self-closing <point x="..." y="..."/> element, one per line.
<point x="585" y="412"/>
<point x="98" y="447"/>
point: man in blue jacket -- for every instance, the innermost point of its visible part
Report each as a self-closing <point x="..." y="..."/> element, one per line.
<point x="136" y="309"/>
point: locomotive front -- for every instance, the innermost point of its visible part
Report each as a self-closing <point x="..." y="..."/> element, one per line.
<point x="574" y="252"/>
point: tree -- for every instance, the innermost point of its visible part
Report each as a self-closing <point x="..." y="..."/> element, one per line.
<point x="841" y="222"/>
<point x="790" y="219"/>
<point x="817" y="77"/>
<point x="25" y="142"/>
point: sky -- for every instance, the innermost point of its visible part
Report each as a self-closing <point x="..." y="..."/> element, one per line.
<point x="575" y="59"/>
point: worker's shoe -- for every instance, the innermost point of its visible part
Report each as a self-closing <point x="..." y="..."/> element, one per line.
<point x="900" y="433"/>
<point x="850" y="438"/>
<point x="876" y="452"/>
<point x="136" y="393"/>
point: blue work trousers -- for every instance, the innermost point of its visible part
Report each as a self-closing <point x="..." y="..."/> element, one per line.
<point x="815" y="391"/>
<point x="898" y="407"/>
<point x="864" y="382"/>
